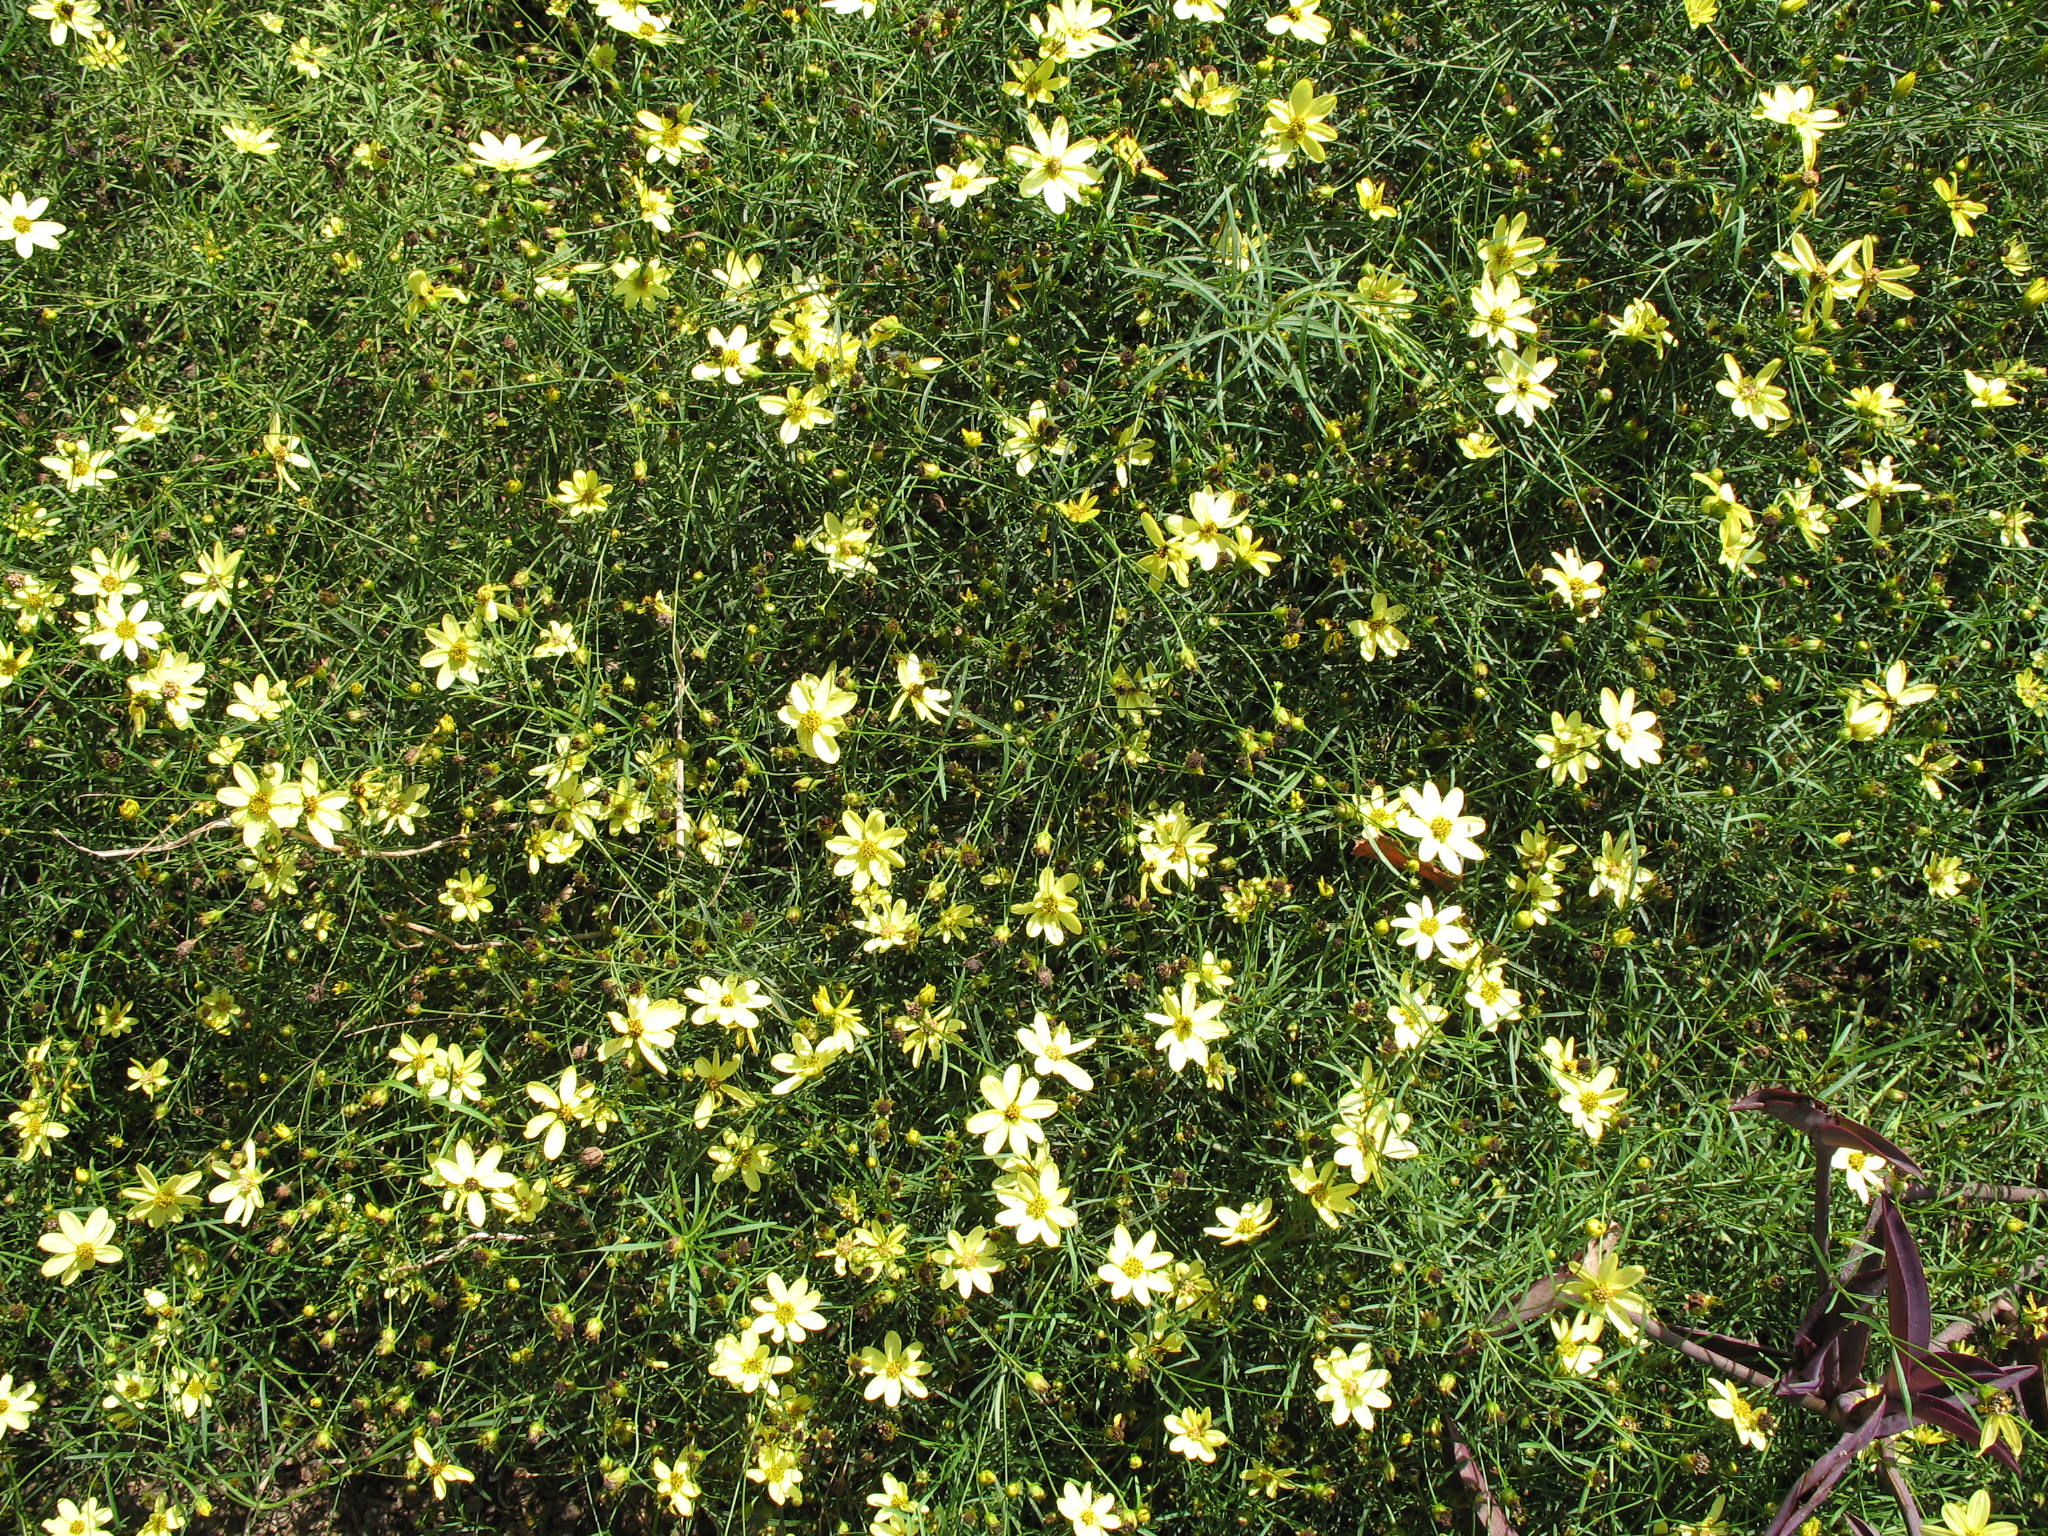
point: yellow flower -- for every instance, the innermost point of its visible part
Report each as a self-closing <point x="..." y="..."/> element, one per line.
<point x="250" y="138"/>
<point x="77" y="1247"/>
<point x="1297" y="125"/>
<point x="1962" y="210"/>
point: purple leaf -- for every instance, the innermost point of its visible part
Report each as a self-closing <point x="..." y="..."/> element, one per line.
<point x="1858" y="1526"/>
<point x="1812" y="1490"/>
<point x="1805" y="1113"/>
<point x="1906" y="1298"/>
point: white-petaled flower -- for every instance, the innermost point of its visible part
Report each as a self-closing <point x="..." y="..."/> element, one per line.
<point x="22" y="223"/>
<point x="1444" y="834"/>
<point x="510" y="153"/>
<point x="1055" y="166"/>
<point x="1136" y="1271"/>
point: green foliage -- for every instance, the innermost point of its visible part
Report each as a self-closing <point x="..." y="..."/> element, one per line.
<point x="442" y="343"/>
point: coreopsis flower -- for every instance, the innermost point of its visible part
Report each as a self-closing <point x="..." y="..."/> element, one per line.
<point x="321" y="811"/>
<point x="1808" y="516"/>
<point x="817" y="704"/>
<point x="1510" y="251"/>
<point x="1204" y="531"/>
<point x="1188" y="1025"/>
<point x="669" y="139"/>
<point x="1202" y="90"/>
<point x="469" y="1181"/>
<point x="160" y="1203"/>
<point x="67" y="17"/>
<point x="309" y="58"/>
<point x="1053" y="1051"/>
<point x="1352" y="1386"/>
<point x="1169" y="844"/>
<point x="1945" y="876"/>
<point x="888" y="924"/>
<point x="1035" y="1205"/>
<point x="1488" y="994"/>
<point x="215" y="582"/>
<point x="1578" y="1348"/>
<point x="1632" y="734"/>
<point x="250" y="138"/>
<point x="1500" y="315"/>
<point x="122" y="630"/>
<point x="801" y="407"/>
<point x="731" y="357"/>
<point x="1297" y="125"/>
<point x="1750" y="1423"/>
<point x="438" y="1467"/>
<point x="92" y="1518"/>
<point x="1243" y="1224"/>
<point x="241" y="1186"/>
<point x="778" y="1468"/>
<point x="731" y="1002"/>
<point x="1753" y="397"/>
<point x="456" y="650"/>
<point x="1135" y="1271"/>
<point x="844" y="544"/>
<point x="1072" y="29"/>
<point x="1328" y="1194"/>
<point x="173" y="683"/>
<point x="78" y="466"/>
<point x="640" y="283"/>
<point x="1055" y="166"/>
<point x="1971" y="1519"/>
<point x="926" y="1027"/>
<point x="1518" y="382"/>
<point x="566" y="1104"/>
<point x="955" y="184"/>
<point x="1792" y="106"/>
<point x="511" y="153"/>
<point x="1444" y="834"/>
<point x="1640" y="320"/>
<point x="968" y="1262"/>
<point x="13" y="663"/>
<point x="22" y="222"/>
<point x="1870" y="707"/>
<point x="1618" y="870"/>
<point x="1032" y="437"/>
<point x="748" y="1363"/>
<point x="18" y="1404"/>
<point x="675" y="1483"/>
<point x="150" y="1080"/>
<point x="788" y="1313"/>
<point x="37" y="1127"/>
<point x="1194" y="1434"/>
<point x="1590" y="1103"/>
<point x="1865" y="1173"/>
<point x="1303" y="21"/>
<point x="1576" y="581"/>
<point x="1428" y="931"/>
<point x="1988" y="394"/>
<point x="77" y="1247"/>
<point x="1962" y="209"/>
<point x="1372" y="200"/>
<point x="1602" y="1286"/>
<point x="1370" y="1132"/>
<point x="742" y="1155"/>
<point x="1875" y="484"/>
<point x="1880" y="406"/>
<point x="648" y="1026"/>
<point x="866" y="852"/>
<point x="1014" y="1111"/>
<point x="1086" y="1510"/>
<point x="894" y="1369"/>
<point x="583" y="494"/>
<point x="1412" y="1013"/>
<point x="915" y="689"/>
<point x="261" y="804"/>
<point x="1052" y="911"/>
